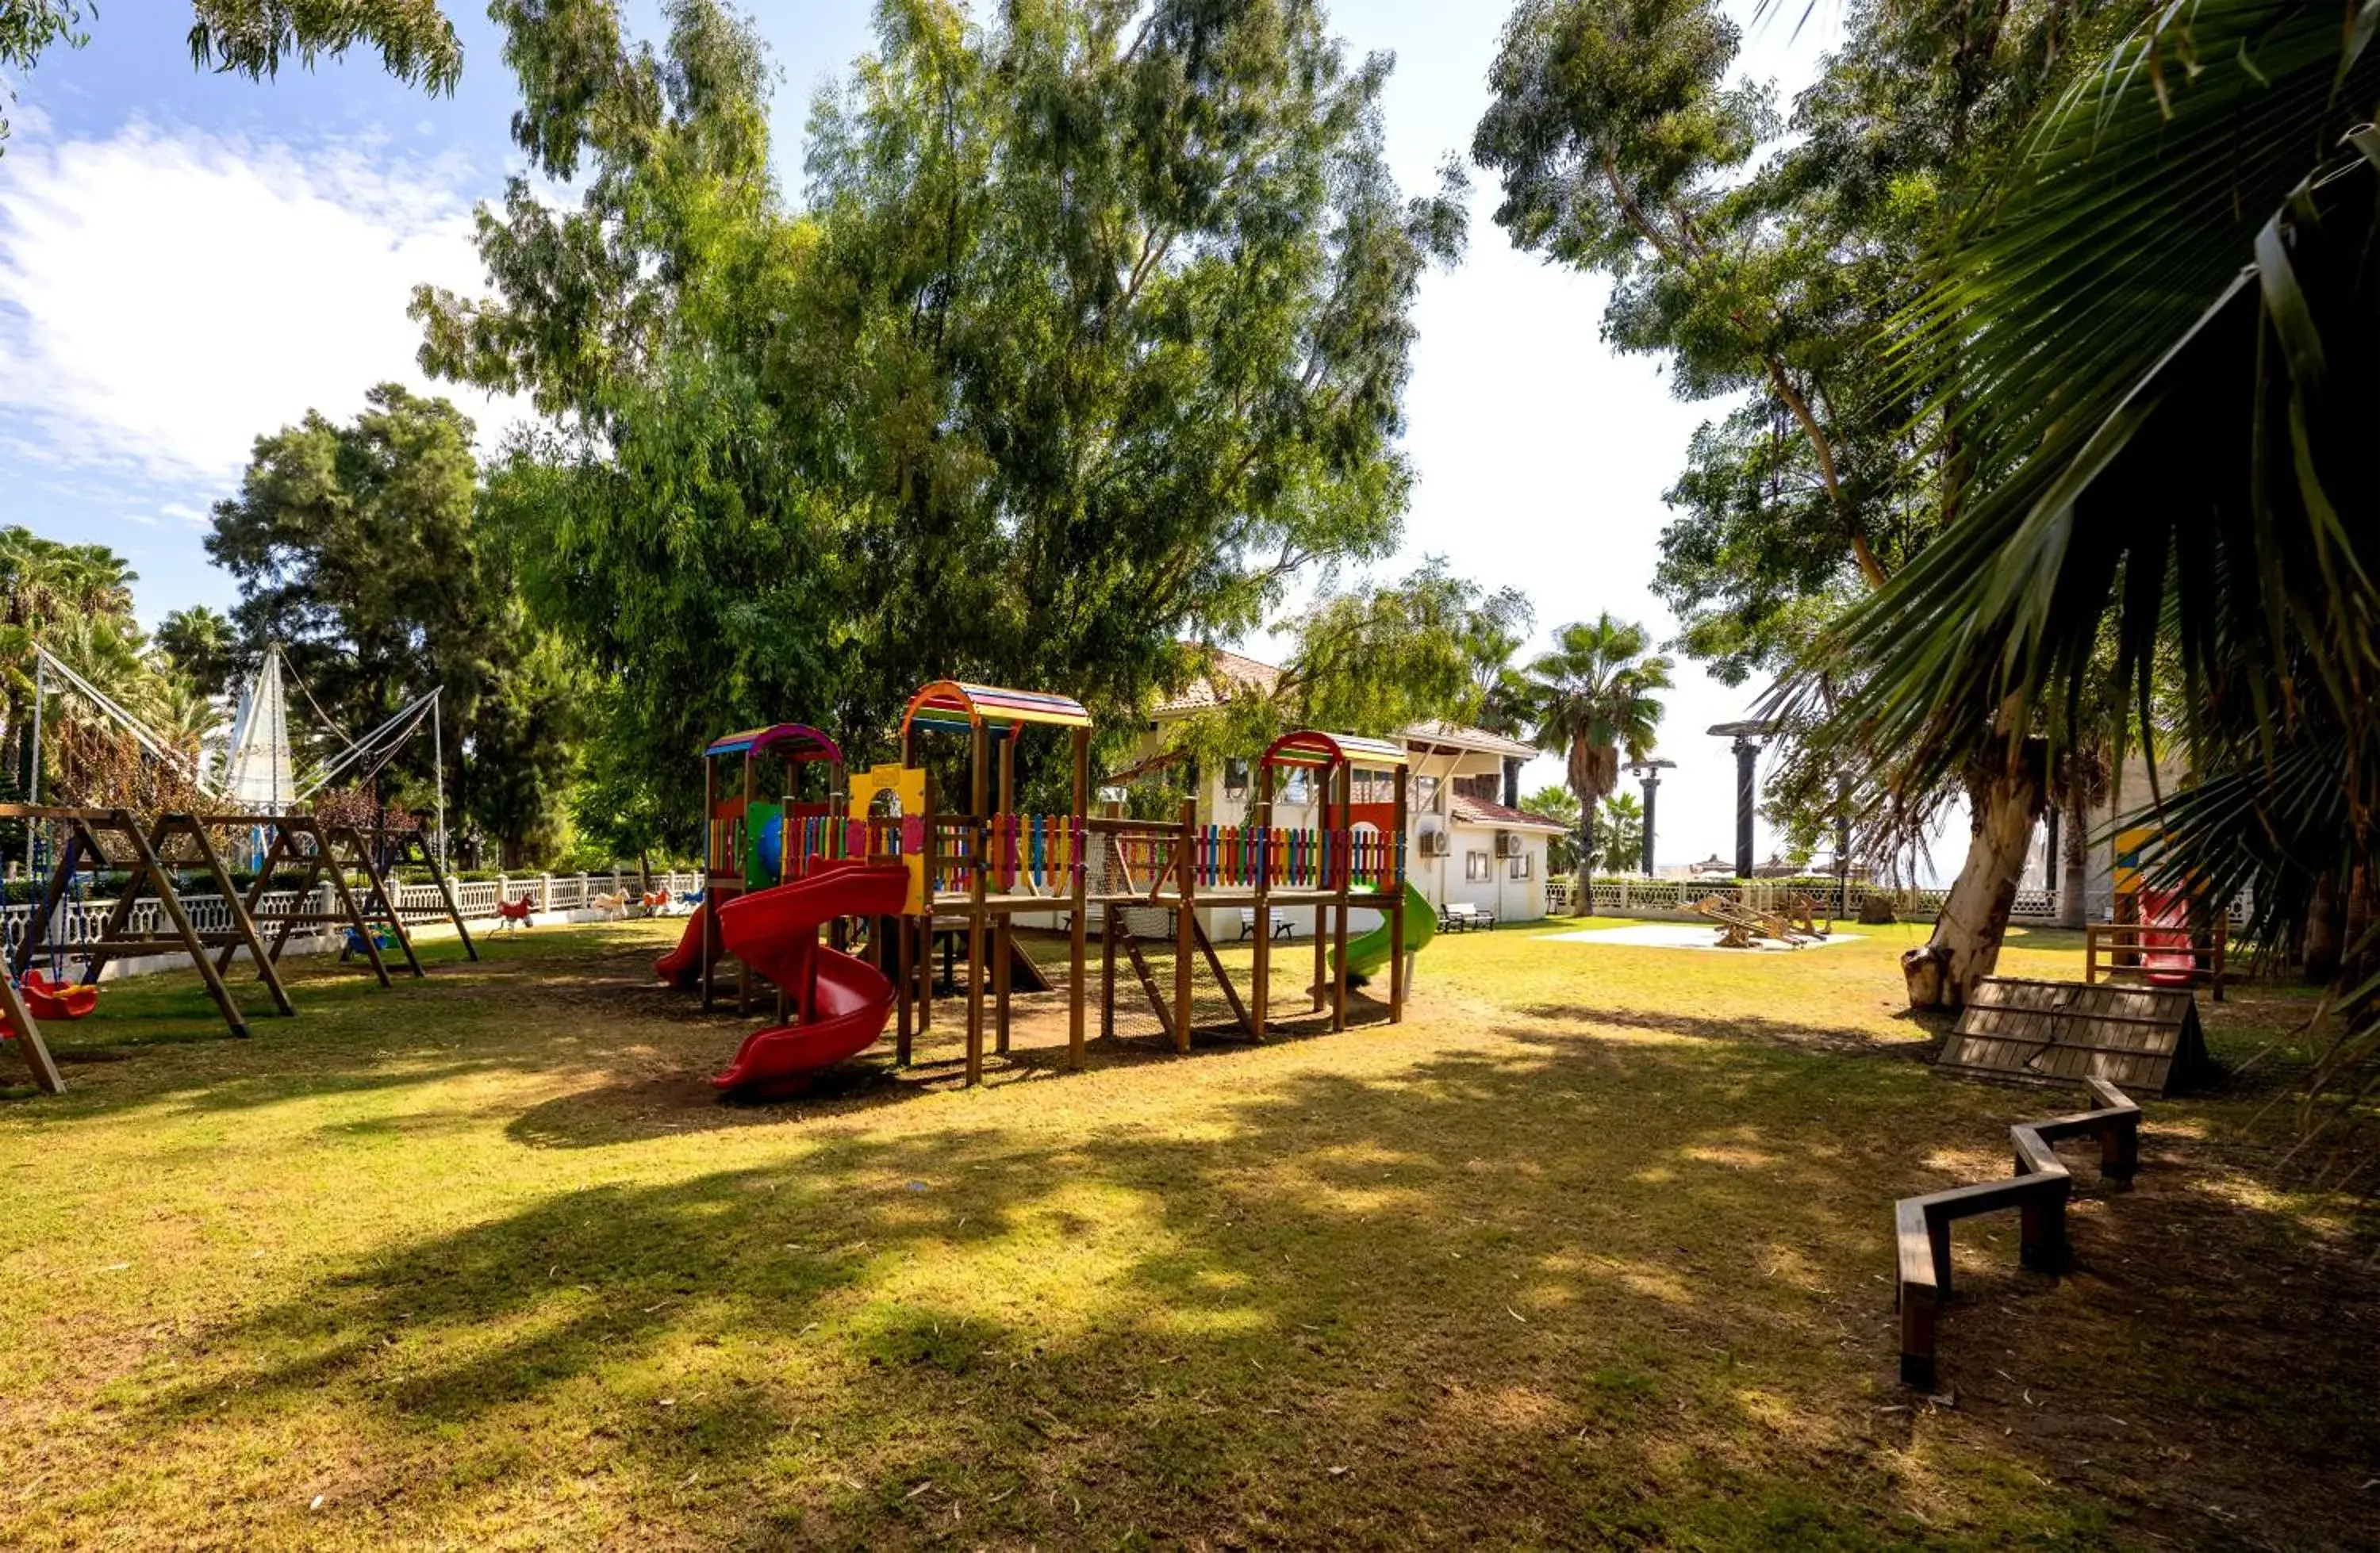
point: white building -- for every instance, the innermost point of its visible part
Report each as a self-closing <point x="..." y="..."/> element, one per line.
<point x="1468" y="840"/>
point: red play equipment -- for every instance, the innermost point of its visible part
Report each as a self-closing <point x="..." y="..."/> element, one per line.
<point x="45" y="999"/>
<point x="2168" y="954"/>
<point x="752" y="842"/>
<point x="838" y="1003"/>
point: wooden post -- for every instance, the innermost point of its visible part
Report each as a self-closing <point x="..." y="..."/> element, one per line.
<point x="1346" y="855"/>
<point x="905" y="930"/>
<point x="1080" y="819"/>
<point x="710" y="907"/>
<point x="27" y="1037"/>
<point x="979" y="875"/>
<point x="1003" y="930"/>
<point x="1321" y="790"/>
<point x="1185" y="894"/>
<point x="1107" y="924"/>
<point x="146" y="860"/>
<point x="1396" y="860"/>
<point x="1260" y="988"/>
<point x="736" y="835"/>
<point x="243" y="927"/>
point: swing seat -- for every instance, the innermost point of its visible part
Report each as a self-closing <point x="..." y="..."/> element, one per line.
<point x="47" y="999"/>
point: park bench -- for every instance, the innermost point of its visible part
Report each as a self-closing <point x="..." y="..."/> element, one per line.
<point x="1462" y="916"/>
<point x="1282" y="927"/>
<point x="2039" y="1191"/>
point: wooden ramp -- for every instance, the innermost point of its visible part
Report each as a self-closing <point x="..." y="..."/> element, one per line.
<point x="2145" y="1038"/>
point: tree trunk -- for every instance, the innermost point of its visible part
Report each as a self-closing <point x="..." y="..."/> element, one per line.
<point x="1965" y="944"/>
<point x="2324" y="944"/>
<point x="2074" y="881"/>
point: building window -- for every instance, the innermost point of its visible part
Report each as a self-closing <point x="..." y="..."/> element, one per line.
<point x="1235" y="779"/>
<point x="1425" y="798"/>
<point x="1486" y="787"/>
<point x="1298" y="787"/>
<point x="1475" y="866"/>
<point x="1521" y="865"/>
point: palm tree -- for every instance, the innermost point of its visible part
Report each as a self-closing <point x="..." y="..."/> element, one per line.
<point x="1592" y="699"/>
<point x="2161" y="336"/>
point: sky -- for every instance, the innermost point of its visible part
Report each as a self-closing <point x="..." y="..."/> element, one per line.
<point x="188" y="261"/>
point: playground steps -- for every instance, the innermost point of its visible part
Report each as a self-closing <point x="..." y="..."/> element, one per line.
<point x="2039" y="1191"/>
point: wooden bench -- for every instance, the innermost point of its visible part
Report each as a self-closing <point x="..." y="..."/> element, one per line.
<point x="1462" y="916"/>
<point x="2039" y="1191"/>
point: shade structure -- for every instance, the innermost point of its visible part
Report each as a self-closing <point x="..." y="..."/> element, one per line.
<point x="794" y="741"/>
<point x="1310" y="746"/>
<point x="259" y="776"/>
<point x="955" y="706"/>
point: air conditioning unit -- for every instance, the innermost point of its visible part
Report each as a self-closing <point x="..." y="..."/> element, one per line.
<point x="1436" y="843"/>
<point x="1508" y="844"/>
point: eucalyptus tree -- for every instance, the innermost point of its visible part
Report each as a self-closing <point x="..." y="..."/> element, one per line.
<point x="1087" y="336"/>
<point x="1592" y="701"/>
<point x="255" y="38"/>
<point x="1764" y="257"/>
<point x="2160" y="338"/>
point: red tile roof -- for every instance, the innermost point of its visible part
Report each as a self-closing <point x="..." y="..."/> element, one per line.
<point x="1479" y="811"/>
<point x="1230" y="672"/>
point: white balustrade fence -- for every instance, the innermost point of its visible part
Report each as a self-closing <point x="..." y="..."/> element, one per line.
<point x="1628" y="896"/>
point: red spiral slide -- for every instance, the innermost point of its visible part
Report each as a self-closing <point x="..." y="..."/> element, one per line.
<point x="841" y="1004"/>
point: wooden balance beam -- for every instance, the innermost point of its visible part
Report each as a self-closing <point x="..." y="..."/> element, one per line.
<point x="2039" y="1191"/>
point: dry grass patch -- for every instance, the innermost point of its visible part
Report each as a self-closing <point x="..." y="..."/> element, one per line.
<point x="1592" y="1249"/>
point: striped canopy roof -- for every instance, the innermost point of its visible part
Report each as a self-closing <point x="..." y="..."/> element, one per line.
<point x="953" y="705"/>
<point x="1309" y="748"/>
<point x="796" y="741"/>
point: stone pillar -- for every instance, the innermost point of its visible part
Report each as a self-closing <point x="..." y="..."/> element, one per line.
<point x="1651" y="781"/>
<point x="1746" y="789"/>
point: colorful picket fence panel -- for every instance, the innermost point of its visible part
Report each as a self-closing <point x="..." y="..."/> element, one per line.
<point x="1238" y="856"/>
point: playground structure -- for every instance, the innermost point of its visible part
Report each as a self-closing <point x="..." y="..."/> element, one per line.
<point x="878" y="849"/>
<point x="1352" y="857"/>
<point x="1740" y="926"/>
<point x="2146" y="1039"/>
<point x="2160" y="937"/>
<point x="2157" y="933"/>
<point x="744" y="842"/>
<point x="978" y="868"/>
<point x="2038" y="1191"/>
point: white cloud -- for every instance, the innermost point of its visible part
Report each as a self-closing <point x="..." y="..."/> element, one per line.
<point x="168" y="295"/>
<point x="184" y="512"/>
<point x="140" y="519"/>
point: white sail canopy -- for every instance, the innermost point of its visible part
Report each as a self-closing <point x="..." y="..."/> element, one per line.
<point x="260" y="774"/>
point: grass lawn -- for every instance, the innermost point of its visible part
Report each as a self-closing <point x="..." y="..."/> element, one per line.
<point x="1594" y="1249"/>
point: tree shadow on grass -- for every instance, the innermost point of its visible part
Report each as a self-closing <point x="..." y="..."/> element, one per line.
<point x="1733" y="1028"/>
<point x="1542" y="1293"/>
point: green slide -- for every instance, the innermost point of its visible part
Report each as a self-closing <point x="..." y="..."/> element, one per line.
<point x="1369" y="953"/>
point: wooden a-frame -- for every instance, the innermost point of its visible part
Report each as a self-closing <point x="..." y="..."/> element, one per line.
<point x="181" y="841"/>
<point x="394" y="849"/>
<point x="28" y="1035"/>
<point x="86" y="852"/>
<point x="316" y="851"/>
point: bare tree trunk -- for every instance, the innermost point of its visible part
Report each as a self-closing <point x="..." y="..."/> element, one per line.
<point x="2074" y="878"/>
<point x="2326" y="946"/>
<point x="1965" y="944"/>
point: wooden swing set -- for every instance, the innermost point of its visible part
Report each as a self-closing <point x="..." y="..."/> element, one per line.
<point x="100" y="841"/>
